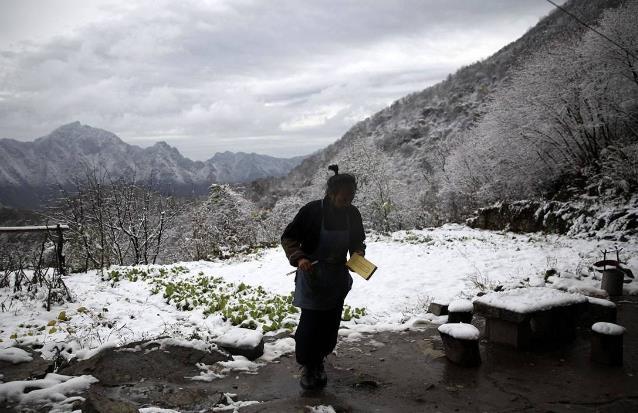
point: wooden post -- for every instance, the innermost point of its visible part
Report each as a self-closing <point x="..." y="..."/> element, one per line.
<point x="61" y="263"/>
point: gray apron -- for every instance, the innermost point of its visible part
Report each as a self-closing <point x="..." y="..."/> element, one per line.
<point x="326" y="286"/>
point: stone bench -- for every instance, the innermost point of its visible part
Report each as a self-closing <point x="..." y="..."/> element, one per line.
<point x="607" y="343"/>
<point x="524" y="316"/>
<point x="438" y="308"/>
<point x="460" y="342"/>
<point x="460" y="311"/>
<point x="599" y="309"/>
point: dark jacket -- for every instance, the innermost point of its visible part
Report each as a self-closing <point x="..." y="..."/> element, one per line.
<point x="301" y="236"/>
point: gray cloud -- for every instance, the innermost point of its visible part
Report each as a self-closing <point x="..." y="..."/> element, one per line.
<point x="282" y="78"/>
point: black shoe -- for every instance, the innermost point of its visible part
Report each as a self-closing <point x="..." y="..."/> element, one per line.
<point x="308" y="380"/>
<point x="320" y="375"/>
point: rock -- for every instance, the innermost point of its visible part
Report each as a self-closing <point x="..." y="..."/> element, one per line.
<point x="520" y="216"/>
<point x="438" y="309"/>
<point x="162" y="359"/>
<point x="97" y="402"/>
<point x="34" y="369"/>
<point x="242" y="342"/>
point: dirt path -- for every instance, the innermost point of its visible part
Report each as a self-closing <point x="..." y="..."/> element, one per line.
<point x="384" y="372"/>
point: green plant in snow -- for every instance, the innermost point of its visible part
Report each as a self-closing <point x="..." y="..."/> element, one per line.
<point x="349" y="313"/>
<point x="242" y="305"/>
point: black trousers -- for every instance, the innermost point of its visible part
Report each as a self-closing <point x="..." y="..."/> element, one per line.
<point x="316" y="335"/>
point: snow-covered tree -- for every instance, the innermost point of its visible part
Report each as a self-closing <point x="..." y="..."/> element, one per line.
<point x="224" y="224"/>
<point x="561" y="113"/>
<point x="279" y="216"/>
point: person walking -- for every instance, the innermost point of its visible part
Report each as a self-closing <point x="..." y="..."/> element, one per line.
<point x="317" y="242"/>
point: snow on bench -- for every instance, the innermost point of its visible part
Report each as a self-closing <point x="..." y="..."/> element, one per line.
<point x="460" y="311"/>
<point x="608" y="329"/>
<point x="529" y="300"/>
<point x="460" y="306"/>
<point x="521" y="316"/>
<point x="460" y="331"/>
<point x="601" y="302"/>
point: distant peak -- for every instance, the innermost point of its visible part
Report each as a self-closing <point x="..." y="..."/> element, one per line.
<point x="76" y="131"/>
<point x="69" y="126"/>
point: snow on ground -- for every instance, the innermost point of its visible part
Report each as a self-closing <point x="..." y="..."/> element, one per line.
<point x="51" y="390"/>
<point x="14" y="355"/>
<point x="440" y="263"/>
<point x="321" y="409"/>
<point x="414" y="267"/>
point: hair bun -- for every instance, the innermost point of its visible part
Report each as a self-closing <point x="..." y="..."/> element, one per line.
<point x="334" y="168"/>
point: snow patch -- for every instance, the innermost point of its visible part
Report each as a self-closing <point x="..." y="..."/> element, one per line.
<point x="321" y="409"/>
<point x="51" y="389"/>
<point x="178" y="342"/>
<point x="240" y="337"/>
<point x="272" y="351"/>
<point x="232" y="404"/>
<point x="14" y="355"/>
<point x="608" y="329"/>
<point x="460" y="331"/>
<point x="206" y="374"/>
<point x="239" y="363"/>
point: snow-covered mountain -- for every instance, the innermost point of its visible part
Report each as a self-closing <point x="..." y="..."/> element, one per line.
<point x="410" y="141"/>
<point x="30" y="171"/>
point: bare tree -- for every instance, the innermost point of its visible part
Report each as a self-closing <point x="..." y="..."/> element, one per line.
<point x="114" y="221"/>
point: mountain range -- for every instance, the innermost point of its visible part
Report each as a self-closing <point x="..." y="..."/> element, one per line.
<point x="30" y="172"/>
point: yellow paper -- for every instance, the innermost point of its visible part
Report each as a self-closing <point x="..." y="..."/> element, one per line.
<point x="361" y="266"/>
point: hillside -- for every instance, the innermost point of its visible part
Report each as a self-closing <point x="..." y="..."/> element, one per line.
<point x="409" y="143"/>
<point x="31" y="171"/>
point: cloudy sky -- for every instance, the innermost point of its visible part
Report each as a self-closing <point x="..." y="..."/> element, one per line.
<point x="278" y="77"/>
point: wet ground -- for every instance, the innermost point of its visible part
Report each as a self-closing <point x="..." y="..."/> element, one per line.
<point x="385" y="372"/>
<point x="410" y="374"/>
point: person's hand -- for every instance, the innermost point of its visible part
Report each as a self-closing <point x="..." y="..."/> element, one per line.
<point x="359" y="252"/>
<point x="304" y="264"/>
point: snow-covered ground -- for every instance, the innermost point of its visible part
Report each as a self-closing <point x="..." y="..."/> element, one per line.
<point x="415" y="267"/>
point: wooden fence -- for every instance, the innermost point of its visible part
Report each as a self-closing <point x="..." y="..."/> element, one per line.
<point x="59" y="229"/>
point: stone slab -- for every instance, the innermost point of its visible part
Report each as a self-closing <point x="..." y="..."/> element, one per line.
<point x="438" y="309"/>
